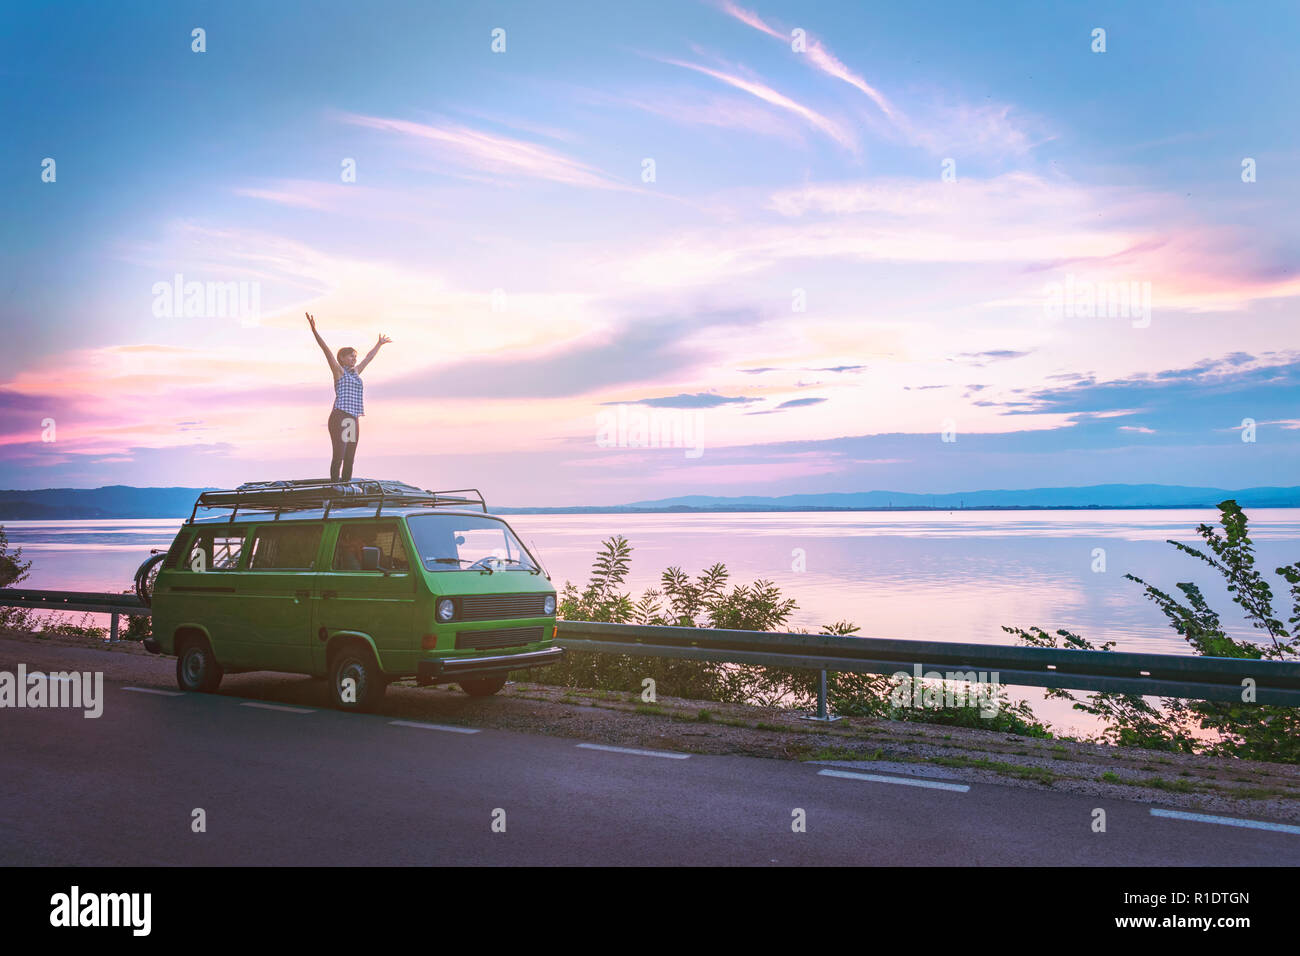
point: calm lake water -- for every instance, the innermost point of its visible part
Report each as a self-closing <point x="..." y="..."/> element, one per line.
<point x="956" y="576"/>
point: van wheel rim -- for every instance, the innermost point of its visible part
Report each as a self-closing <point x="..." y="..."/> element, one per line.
<point x="354" y="670"/>
<point x="193" y="666"/>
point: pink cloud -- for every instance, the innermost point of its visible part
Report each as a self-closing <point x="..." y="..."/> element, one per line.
<point x="749" y="18"/>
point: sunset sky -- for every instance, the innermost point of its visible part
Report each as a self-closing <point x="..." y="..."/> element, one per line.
<point x="502" y="230"/>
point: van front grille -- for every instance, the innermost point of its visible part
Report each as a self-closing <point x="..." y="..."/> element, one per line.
<point x="500" y="637"/>
<point x="497" y="607"/>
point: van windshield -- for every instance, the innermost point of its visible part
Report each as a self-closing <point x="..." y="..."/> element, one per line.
<point x="468" y="543"/>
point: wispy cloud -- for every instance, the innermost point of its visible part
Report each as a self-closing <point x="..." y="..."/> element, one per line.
<point x="792" y="403"/>
<point x="498" y="154"/>
<point x="819" y="56"/>
<point x="725" y="111"/>
<point x="987" y="128"/>
<point x="638" y="351"/>
<point x="803" y="368"/>
<point x="351" y="199"/>
<point x="1186" y="400"/>
<point x="685" y="400"/>
<point x="281" y="197"/>
<point x="767" y="94"/>
<point x="981" y="359"/>
<point x="801" y="402"/>
<point x="749" y="18"/>
<point x="1012" y="220"/>
<point x="1030" y="229"/>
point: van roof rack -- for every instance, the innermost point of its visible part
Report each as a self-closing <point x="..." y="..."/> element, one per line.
<point x="309" y="494"/>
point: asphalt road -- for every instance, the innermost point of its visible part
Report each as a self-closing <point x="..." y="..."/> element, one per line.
<point x="302" y="786"/>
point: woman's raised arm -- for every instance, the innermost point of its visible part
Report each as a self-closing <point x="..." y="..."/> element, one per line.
<point x="335" y="369"/>
<point x="361" y="367"/>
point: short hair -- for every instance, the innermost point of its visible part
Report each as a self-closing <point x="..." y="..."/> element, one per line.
<point x="346" y="348"/>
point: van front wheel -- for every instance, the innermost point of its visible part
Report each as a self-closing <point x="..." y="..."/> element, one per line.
<point x="197" y="670"/>
<point x="356" y="682"/>
<point x="482" y="686"/>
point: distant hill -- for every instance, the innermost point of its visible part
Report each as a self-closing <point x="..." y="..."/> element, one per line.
<point x="112" y="501"/>
<point x="124" y="501"/>
<point x="1090" y="496"/>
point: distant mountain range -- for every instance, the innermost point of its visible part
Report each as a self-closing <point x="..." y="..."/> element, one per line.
<point x="113" y="501"/>
<point x="124" y="501"/>
<point x="1089" y="496"/>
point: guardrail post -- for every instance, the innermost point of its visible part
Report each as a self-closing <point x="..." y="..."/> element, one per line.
<point x="823" y="714"/>
<point x="112" y="628"/>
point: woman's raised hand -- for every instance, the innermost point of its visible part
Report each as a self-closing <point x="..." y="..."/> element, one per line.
<point x="310" y="321"/>
<point x="383" y="340"/>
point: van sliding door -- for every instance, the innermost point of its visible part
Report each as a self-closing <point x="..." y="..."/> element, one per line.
<point x="278" y="589"/>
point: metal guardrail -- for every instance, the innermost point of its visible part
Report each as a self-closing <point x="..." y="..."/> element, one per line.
<point x="1124" y="672"/>
<point x="1156" y="675"/>
<point x="97" y="602"/>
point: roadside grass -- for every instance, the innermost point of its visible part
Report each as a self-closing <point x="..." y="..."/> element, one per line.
<point x="1034" y="774"/>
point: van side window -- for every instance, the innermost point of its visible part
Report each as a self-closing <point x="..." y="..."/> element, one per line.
<point x="285" y="547"/>
<point x="214" y="549"/>
<point x="383" y="535"/>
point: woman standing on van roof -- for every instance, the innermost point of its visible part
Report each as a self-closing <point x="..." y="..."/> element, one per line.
<point x="344" y="428"/>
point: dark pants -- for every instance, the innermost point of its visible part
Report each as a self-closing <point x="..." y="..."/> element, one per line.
<point x="344" y="451"/>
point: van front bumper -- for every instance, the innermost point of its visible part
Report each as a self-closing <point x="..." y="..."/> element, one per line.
<point x="498" y="665"/>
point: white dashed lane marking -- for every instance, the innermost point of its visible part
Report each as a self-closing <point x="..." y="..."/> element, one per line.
<point x="154" y="690"/>
<point x="1225" y="821"/>
<point x="450" y="730"/>
<point x="282" y="707"/>
<point x="905" y="781"/>
<point x="638" y="753"/>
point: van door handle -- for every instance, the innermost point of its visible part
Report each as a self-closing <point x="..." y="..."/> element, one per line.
<point x="329" y="594"/>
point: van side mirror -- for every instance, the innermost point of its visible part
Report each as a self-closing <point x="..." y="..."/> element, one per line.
<point x="370" y="559"/>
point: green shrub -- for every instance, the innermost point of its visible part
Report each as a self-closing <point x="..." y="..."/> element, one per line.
<point x="709" y="600"/>
<point x="1244" y="729"/>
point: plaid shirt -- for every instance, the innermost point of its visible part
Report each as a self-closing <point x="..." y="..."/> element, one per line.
<point x="347" y="393"/>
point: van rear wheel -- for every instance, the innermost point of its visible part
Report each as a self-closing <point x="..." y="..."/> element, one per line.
<point x="197" y="670"/>
<point x="482" y="686"/>
<point x="356" y="683"/>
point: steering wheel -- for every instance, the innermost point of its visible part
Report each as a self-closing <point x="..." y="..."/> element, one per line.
<point x="483" y="562"/>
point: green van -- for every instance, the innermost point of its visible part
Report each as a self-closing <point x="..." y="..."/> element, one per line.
<point x="362" y="582"/>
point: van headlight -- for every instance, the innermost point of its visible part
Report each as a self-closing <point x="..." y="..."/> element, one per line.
<point x="548" y="606"/>
<point x="446" y="610"/>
